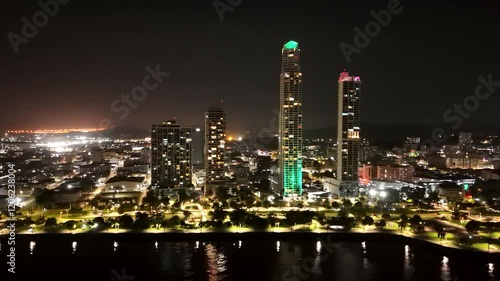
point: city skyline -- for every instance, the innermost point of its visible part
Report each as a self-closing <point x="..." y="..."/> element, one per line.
<point x="250" y="140"/>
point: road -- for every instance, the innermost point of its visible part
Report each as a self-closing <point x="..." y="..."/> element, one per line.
<point x="459" y="230"/>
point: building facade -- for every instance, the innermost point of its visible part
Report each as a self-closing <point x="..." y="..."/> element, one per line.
<point x="465" y="141"/>
<point x="215" y="145"/>
<point x="170" y="155"/>
<point x="197" y="146"/>
<point x="368" y="173"/>
<point x="290" y="121"/>
<point x="348" y="127"/>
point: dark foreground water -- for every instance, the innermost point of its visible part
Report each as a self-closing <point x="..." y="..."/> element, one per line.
<point x="237" y="260"/>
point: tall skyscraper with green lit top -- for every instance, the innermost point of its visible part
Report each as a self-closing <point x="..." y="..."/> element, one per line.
<point x="290" y="121"/>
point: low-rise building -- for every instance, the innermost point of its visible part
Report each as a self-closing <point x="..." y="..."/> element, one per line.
<point x="125" y="184"/>
<point x="450" y="191"/>
<point x="368" y="173"/>
<point x="66" y="196"/>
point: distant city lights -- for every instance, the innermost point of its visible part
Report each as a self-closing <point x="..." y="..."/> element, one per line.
<point x="56" y="131"/>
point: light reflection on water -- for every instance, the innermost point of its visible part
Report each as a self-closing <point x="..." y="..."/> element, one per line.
<point x="216" y="262"/>
<point x="32" y="247"/>
<point x="408" y="268"/>
<point x="221" y="261"/>
<point x="445" y="269"/>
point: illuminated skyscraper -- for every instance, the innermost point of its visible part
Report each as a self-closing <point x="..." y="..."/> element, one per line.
<point x="215" y="145"/>
<point x="348" y="128"/>
<point x="170" y="155"/>
<point x="290" y="121"/>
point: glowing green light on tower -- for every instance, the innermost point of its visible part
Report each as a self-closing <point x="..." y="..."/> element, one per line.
<point x="292" y="177"/>
<point x="291" y="45"/>
<point x="466" y="186"/>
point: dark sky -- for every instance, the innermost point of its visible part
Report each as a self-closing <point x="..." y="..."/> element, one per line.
<point x="90" y="52"/>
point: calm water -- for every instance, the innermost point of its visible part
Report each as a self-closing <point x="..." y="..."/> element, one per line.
<point x="238" y="260"/>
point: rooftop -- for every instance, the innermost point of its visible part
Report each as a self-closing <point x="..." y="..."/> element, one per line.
<point x="131" y="179"/>
<point x="291" y="45"/>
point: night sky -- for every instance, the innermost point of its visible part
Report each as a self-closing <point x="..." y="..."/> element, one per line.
<point x="428" y="58"/>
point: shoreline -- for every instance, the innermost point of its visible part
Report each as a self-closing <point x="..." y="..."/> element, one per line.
<point x="263" y="236"/>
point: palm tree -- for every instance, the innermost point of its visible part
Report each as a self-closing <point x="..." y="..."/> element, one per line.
<point x="346" y="203"/>
<point x="70" y="225"/>
<point x="472" y="226"/>
<point x="164" y="224"/>
<point x="335" y="205"/>
<point x="416" y="222"/>
<point x="51" y="222"/>
<point x="367" y="221"/>
<point x="381" y="223"/>
<point x="238" y="217"/>
<point x="402" y="224"/>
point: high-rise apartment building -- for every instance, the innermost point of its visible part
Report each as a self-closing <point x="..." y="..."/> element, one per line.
<point x="215" y="145"/>
<point x="290" y="121"/>
<point x="170" y="155"/>
<point x="348" y="127"/>
<point x="197" y="146"/>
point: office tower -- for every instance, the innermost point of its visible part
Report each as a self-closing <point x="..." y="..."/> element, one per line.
<point x="290" y="121"/>
<point x="197" y="147"/>
<point x="215" y="146"/>
<point x="348" y="128"/>
<point x="465" y="141"/>
<point x="170" y="155"/>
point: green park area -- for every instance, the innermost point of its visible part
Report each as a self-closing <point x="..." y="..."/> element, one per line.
<point x="355" y="215"/>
